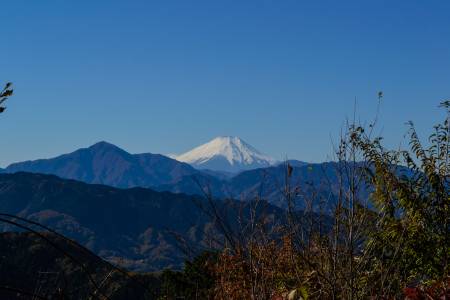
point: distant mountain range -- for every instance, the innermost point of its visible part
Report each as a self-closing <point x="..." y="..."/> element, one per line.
<point x="318" y="183"/>
<point x="226" y="154"/>
<point x="107" y="164"/>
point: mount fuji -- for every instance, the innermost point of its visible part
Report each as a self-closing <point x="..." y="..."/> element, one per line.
<point x="226" y="154"/>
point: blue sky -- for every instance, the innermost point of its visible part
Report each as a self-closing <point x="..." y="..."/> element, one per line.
<point x="165" y="76"/>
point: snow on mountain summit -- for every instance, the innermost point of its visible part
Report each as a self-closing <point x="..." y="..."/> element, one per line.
<point x="226" y="153"/>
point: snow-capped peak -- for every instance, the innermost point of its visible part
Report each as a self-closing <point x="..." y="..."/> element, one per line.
<point x="226" y="153"/>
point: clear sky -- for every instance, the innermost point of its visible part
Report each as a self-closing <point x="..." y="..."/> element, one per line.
<point x="165" y="76"/>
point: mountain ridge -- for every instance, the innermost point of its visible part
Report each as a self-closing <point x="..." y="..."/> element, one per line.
<point x="137" y="228"/>
<point x="105" y="163"/>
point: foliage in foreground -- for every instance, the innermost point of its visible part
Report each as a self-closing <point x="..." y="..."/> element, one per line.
<point x="395" y="247"/>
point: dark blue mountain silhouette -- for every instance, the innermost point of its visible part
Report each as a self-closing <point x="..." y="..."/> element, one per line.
<point x="105" y="163"/>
